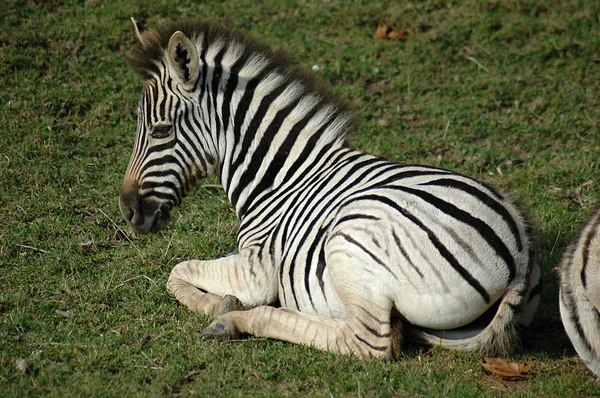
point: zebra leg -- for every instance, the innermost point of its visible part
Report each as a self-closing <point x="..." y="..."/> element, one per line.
<point x="215" y="287"/>
<point x="197" y="301"/>
<point x="366" y="331"/>
<point x="366" y="334"/>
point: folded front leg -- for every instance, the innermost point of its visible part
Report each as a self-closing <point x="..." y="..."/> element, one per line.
<point x="366" y="334"/>
<point x="200" y="302"/>
<point x="215" y="287"/>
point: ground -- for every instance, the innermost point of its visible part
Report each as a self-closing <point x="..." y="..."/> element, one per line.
<point x="504" y="91"/>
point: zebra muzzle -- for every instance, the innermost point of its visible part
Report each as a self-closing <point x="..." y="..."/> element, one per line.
<point x="143" y="215"/>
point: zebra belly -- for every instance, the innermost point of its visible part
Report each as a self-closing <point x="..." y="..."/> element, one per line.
<point x="439" y="311"/>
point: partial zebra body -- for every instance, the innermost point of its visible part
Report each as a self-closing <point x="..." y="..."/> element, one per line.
<point x="357" y="250"/>
<point x="580" y="293"/>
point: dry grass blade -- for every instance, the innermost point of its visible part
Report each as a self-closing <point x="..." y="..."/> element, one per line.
<point x="33" y="248"/>
<point x="134" y="278"/>
<point x="477" y="63"/>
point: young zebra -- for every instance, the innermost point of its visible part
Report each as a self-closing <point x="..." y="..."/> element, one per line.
<point x="353" y="248"/>
<point x="580" y="293"/>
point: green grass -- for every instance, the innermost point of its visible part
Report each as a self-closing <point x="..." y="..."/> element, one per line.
<point x="505" y="91"/>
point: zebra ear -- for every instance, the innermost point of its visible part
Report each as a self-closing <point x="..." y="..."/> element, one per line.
<point x="183" y="59"/>
<point x="146" y="36"/>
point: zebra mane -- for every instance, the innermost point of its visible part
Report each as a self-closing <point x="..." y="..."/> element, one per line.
<point x="146" y="61"/>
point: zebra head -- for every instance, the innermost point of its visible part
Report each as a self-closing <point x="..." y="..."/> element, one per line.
<point x="166" y="162"/>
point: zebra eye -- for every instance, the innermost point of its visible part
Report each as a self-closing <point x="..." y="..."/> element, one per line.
<point x="161" y="131"/>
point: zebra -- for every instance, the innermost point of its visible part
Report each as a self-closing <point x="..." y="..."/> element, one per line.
<point x="337" y="249"/>
<point x="579" y="297"/>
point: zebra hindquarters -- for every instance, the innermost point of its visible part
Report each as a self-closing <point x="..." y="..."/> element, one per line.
<point x="579" y="297"/>
<point x="454" y="284"/>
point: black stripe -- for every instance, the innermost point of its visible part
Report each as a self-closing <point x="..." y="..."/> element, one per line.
<point x="376" y="348"/>
<point x="230" y="87"/>
<point x="164" y="173"/>
<point x="321" y="265"/>
<point x="216" y="82"/>
<point x="170" y="98"/>
<point x="485" y="199"/>
<point x="353" y="217"/>
<point x="586" y="248"/>
<point x="570" y="303"/>
<point x="404" y="253"/>
<point x="160" y="195"/>
<point x="386" y="167"/>
<point x="162" y="104"/>
<point x="151" y="101"/>
<point x="204" y="71"/>
<point x="484" y="230"/>
<point x="374" y="332"/>
<point x="166" y="159"/>
<point x="163" y="184"/>
<point x="164" y="146"/>
<point x="394" y="178"/>
<point x="317" y="241"/>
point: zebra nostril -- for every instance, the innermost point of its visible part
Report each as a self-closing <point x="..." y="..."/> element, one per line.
<point x="164" y="211"/>
<point x="129" y="214"/>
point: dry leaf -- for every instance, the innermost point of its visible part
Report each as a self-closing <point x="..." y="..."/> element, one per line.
<point x="508" y="371"/>
<point x="388" y="32"/>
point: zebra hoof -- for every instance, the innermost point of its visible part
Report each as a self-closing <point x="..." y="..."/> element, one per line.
<point x="219" y="330"/>
<point x="229" y="303"/>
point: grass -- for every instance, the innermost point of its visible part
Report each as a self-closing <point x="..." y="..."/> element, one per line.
<point x="505" y="91"/>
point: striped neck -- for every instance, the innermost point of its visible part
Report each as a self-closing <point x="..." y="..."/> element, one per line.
<point x="264" y="124"/>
